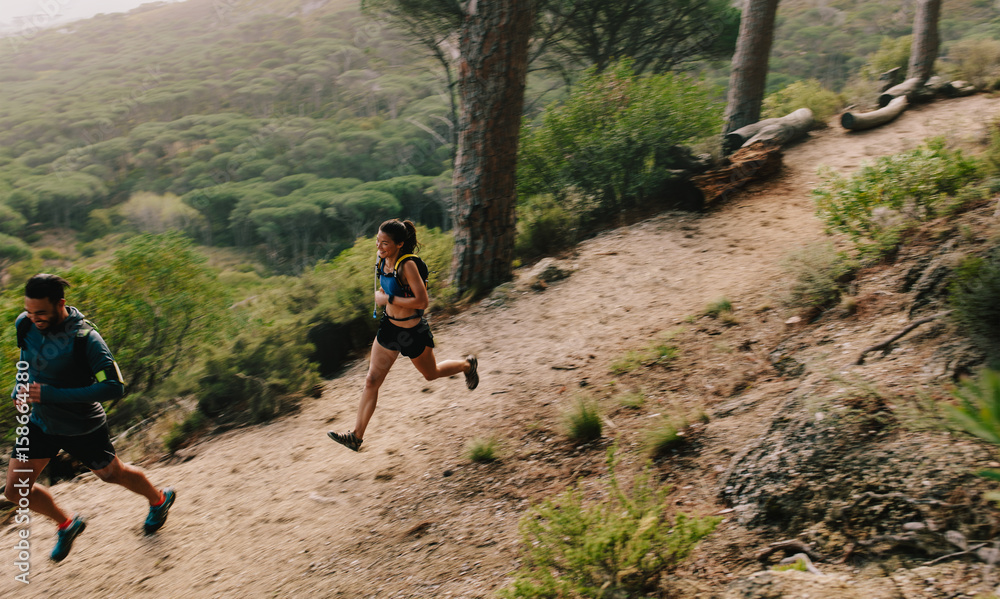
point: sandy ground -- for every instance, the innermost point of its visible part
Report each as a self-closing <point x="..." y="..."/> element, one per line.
<point x="280" y="511"/>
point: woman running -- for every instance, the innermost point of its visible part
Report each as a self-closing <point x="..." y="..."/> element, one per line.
<point x="403" y="328"/>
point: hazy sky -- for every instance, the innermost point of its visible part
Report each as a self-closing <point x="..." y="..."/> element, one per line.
<point x="43" y="13"/>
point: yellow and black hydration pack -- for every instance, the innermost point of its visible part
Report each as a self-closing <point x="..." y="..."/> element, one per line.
<point x="81" y="366"/>
<point x="400" y="281"/>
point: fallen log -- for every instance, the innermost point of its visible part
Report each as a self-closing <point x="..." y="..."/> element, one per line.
<point x="908" y="88"/>
<point x="962" y="88"/>
<point x="869" y="120"/>
<point x="786" y="129"/>
<point x="734" y="140"/>
<point x="891" y="77"/>
<point x="779" y="130"/>
<point x="758" y="161"/>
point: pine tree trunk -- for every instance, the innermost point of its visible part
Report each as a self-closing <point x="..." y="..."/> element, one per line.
<point x="924" y="48"/>
<point x="491" y="79"/>
<point x="749" y="74"/>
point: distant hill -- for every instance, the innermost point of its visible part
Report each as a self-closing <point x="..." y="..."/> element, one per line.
<point x="210" y="99"/>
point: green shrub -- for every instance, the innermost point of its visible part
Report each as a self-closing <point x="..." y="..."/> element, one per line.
<point x="973" y="294"/>
<point x="992" y="155"/>
<point x="632" y="399"/>
<point x="878" y="203"/>
<point x="583" y="421"/>
<point x="804" y="94"/>
<point x="892" y="53"/>
<point x="978" y="411"/>
<point x="976" y="61"/>
<point x="818" y="273"/>
<point x="661" y="437"/>
<point x="657" y="352"/>
<point x="50" y="254"/>
<point x="617" y="547"/>
<point x="613" y="141"/>
<point x="482" y="449"/>
<point x="714" y="309"/>
<point x="256" y="375"/>
<point x="544" y="227"/>
<point x="629" y="362"/>
<point x="182" y="431"/>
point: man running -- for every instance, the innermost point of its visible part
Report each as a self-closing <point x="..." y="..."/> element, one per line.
<point x="65" y="371"/>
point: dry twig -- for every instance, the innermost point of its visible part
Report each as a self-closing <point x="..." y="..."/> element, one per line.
<point x="890" y="340"/>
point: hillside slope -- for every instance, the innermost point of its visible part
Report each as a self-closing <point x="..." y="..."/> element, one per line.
<point x="280" y="511"/>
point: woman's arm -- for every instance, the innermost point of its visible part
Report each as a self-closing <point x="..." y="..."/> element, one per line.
<point x="419" y="301"/>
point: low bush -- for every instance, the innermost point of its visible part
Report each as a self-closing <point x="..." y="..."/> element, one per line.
<point x="892" y="53"/>
<point x="657" y="352"/>
<point x="181" y="432"/>
<point x="253" y="378"/>
<point x="804" y="94"/>
<point x="978" y="410"/>
<point x="583" y="421"/>
<point x="714" y="309"/>
<point x="632" y="399"/>
<point x="614" y="140"/>
<point x="661" y="437"/>
<point x="482" y="450"/>
<point x="818" y="273"/>
<point x="617" y="547"/>
<point x="877" y="204"/>
<point x="973" y="294"/>
<point x="976" y="61"/>
<point x="544" y="227"/>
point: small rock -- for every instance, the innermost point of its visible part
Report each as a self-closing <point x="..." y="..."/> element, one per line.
<point x="546" y="271"/>
<point x="957" y="539"/>
<point x="988" y="555"/>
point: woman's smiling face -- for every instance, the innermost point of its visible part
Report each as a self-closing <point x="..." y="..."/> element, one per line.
<point x="387" y="248"/>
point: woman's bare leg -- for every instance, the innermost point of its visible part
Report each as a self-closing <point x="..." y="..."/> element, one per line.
<point x="381" y="361"/>
<point x="431" y="369"/>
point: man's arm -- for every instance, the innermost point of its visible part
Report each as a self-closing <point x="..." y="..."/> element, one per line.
<point x="108" y="386"/>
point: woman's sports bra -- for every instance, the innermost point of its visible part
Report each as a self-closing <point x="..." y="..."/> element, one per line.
<point x="390" y="285"/>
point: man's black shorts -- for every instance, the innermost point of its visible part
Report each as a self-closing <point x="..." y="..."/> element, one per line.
<point x="94" y="450"/>
<point x="409" y="342"/>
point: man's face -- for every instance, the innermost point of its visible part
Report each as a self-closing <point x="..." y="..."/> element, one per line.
<point x="43" y="313"/>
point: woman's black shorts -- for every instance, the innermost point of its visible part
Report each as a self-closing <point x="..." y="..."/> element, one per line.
<point x="409" y="342"/>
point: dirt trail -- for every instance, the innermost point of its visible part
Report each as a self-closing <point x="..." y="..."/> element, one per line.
<point x="280" y="511"/>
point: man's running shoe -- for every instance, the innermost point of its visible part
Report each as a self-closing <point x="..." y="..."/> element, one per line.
<point x="65" y="538"/>
<point x="158" y="513"/>
<point x="348" y="440"/>
<point x="472" y="376"/>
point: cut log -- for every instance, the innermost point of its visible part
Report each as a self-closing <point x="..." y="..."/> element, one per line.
<point x="756" y="162"/>
<point x="907" y="88"/>
<point x="869" y="120"/>
<point x="939" y="85"/>
<point x="734" y="140"/>
<point x="778" y="130"/>
<point x="962" y="88"/>
<point x="891" y="77"/>
<point x="784" y="130"/>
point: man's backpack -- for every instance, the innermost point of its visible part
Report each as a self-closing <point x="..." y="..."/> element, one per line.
<point x="81" y="364"/>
